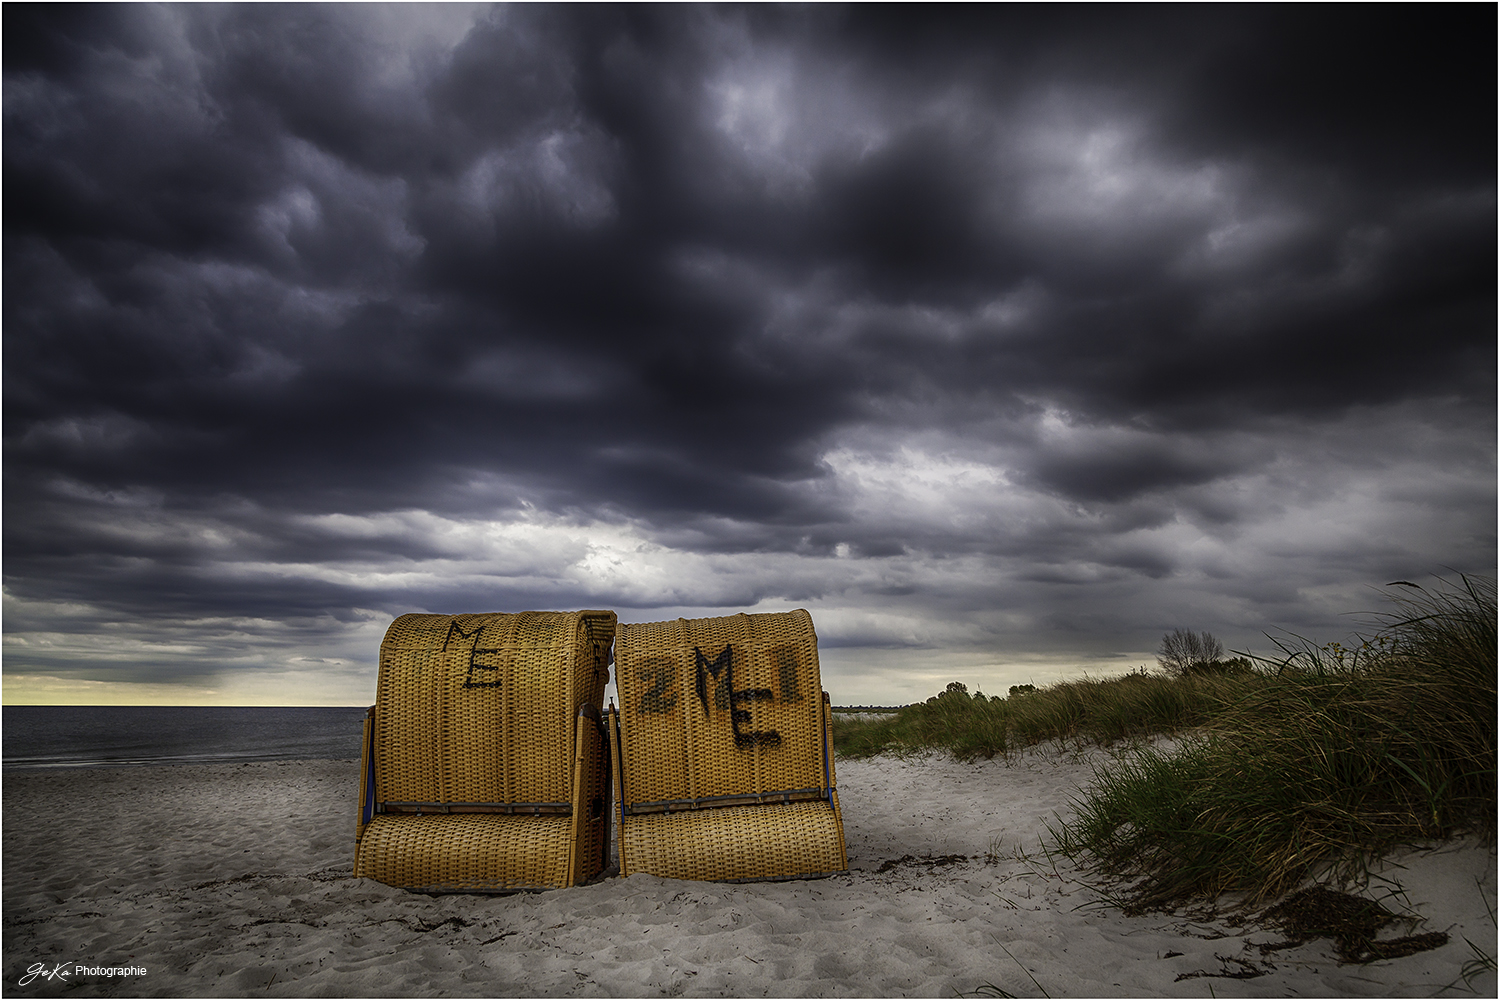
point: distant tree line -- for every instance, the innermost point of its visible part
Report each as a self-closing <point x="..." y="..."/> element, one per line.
<point x="1183" y="653"/>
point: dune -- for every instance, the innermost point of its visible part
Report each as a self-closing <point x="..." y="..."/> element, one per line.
<point x="235" y="880"/>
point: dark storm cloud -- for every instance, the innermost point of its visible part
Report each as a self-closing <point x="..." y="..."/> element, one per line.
<point x="309" y="308"/>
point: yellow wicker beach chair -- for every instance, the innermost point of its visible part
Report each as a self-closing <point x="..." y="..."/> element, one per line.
<point x="724" y="757"/>
<point x="485" y="760"/>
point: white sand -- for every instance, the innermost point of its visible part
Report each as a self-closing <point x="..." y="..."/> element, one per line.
<point x="233" y="880"/>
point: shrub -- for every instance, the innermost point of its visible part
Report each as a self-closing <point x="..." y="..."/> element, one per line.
<point x="1183" y="651"/>
<point x="1234" y="665"/>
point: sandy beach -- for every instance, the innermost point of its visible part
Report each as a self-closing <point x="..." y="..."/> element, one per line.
<point x="224" y="880"/>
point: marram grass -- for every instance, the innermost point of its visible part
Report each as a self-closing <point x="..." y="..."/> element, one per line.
<point x="1312" y="762"/>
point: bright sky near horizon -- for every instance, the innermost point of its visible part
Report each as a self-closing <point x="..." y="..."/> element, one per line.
<point x="1003" y="339"/>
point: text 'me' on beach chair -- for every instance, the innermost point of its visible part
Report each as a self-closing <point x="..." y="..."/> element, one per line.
<point x="485" y="758"/>
<point x="724" y="757"/>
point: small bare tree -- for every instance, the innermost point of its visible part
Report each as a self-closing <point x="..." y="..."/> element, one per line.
<point x="1184" y="651"/>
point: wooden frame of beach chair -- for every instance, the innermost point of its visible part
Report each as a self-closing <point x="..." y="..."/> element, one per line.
<point x="485" y="763"/>
<point x="723" y="750"/>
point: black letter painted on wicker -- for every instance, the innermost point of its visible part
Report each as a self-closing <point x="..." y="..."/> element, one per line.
<point x="724" y="664"/>
<point x="660" y="671"/>
<point x="786" y="663"/>
<point x="474" y="651"/>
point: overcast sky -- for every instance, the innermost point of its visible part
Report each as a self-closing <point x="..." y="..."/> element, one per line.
<point x="1003" y="340"/>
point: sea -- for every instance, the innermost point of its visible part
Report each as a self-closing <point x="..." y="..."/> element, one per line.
<point x="43" y="737"/>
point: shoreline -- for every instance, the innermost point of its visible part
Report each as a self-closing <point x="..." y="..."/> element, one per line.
<point x="233" y="879"/>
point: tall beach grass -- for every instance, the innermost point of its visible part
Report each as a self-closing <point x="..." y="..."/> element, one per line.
<point x="1312" y="761"/>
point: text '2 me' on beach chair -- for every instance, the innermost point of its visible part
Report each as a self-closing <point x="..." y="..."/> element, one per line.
<point x="724" y="763"/>
<point x="485" y="762"/>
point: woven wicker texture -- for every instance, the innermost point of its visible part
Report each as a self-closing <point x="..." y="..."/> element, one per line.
<point x="725" y="716"/>
<point x="736" y="842"/>
<point x="480" y="714"/>
<point x="467" y="851"/>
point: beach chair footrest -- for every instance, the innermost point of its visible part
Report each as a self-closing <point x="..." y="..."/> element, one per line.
<point x="467" y="852"/>
<point x="742" y="843"/>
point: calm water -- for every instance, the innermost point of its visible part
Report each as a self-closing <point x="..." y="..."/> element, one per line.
<point x="79" y="736"/>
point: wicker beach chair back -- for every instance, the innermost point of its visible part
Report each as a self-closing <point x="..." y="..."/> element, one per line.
<point x="485" y="754"/>
<point x="725" y="763"/>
